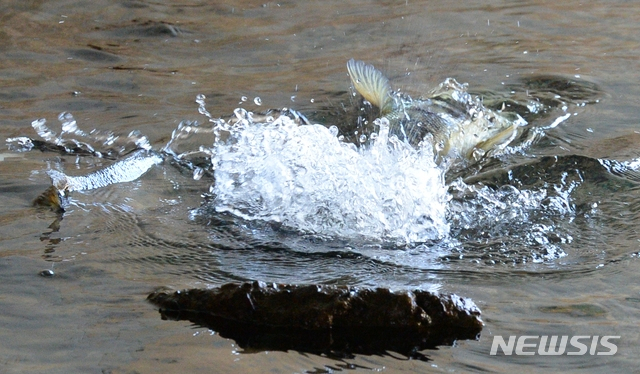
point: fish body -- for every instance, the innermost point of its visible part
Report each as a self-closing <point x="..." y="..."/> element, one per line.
<point x="457" y="124"/>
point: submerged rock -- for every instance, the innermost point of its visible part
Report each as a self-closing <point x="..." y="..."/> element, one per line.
<point x="337" y="320"/>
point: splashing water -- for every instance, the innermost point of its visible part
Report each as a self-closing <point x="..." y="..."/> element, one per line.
<point x="305" y="178"/>
<point x="126" y="170"/>
<point x="280" y="169"/>
<point x="508" y="224"/>
<point x="75" y="141"/>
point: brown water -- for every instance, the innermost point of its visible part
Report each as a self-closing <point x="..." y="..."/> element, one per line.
<point x="138" y="65"/>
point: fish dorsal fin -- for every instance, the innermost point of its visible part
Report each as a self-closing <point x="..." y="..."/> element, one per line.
<point x="371" y="84"/>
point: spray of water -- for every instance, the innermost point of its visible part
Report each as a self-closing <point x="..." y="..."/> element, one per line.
<point x="305" y="178"/>
<point x="278" y="168"/>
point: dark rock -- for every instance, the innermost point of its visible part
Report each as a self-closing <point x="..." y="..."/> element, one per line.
<point x="47" y="273"/>
<point x="334" y="320"/>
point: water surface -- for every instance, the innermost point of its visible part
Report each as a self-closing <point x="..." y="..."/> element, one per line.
<point x="550" y="247"/>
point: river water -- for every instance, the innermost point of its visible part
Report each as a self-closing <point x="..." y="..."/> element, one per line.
<point x="543" y="238"/>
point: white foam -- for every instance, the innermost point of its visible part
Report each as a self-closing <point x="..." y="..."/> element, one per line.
<point x="306" y="179"/>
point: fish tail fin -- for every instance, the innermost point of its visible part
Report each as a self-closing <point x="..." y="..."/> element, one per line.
<point x="371" y="84"/>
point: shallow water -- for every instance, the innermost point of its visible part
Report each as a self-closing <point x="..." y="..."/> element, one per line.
<point x="549" y="248"/>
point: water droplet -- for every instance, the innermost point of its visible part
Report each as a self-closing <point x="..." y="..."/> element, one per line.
<point x="44" y="131"/>
<point x="312" y="100"/>
<point x="293" y="98"/>
<point x="200" y="100"/>
<point x="68" y="122"/>
<point x="241" y="113"/>
<point x="243" y="98"/>
<point x="198" y="173"/>
<point x="257" y="100"/>
<point x="362" y="138"/>
<point x="334" y="130"/>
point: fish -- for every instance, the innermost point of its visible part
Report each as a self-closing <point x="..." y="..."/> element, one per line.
<point x="456" y="124"/>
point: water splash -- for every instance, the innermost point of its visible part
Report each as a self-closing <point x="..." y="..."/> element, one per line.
<point x="20" y="144"/>
<point x="48" y="135"/>
<point x="126" y="170"/>
<point x="511" y="225"/>
<point x="72" y="140"/>
<point x="280" y="169"/>
<point x="190" y="141"/>
<point x="305" y="178"/>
